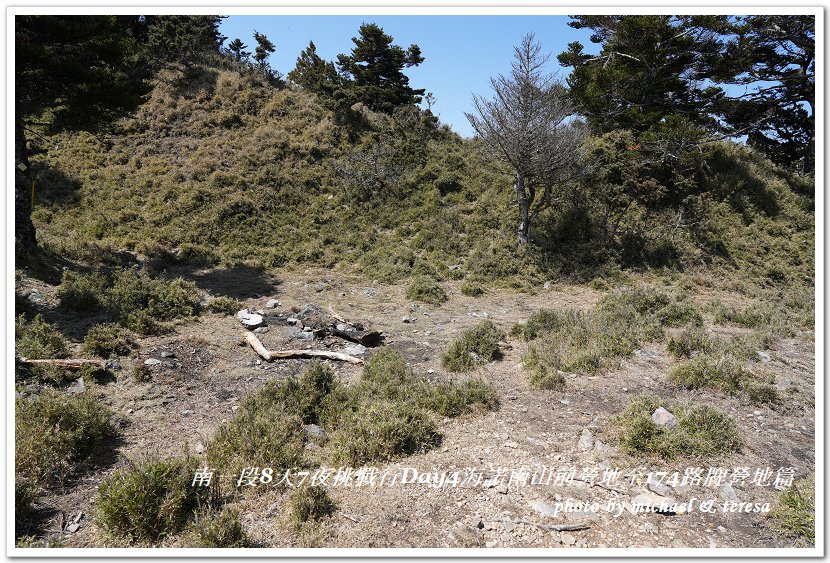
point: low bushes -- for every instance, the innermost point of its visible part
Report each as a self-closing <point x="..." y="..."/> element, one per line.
<point x="474" y="347"/>
<point x="426" y="290"/>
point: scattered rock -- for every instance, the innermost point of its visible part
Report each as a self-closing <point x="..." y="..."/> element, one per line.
<point x="272" y="304"/>
<point x="368" y="292"/>
<point x="261" y="330"/>
<point x="546" y="285"/>
<point x="166" y="354"/>
<point x="151" y="362"/>
<point x="407" y="320"/>
<point x="646" y="354"/>
<point x="112" y="365"/>
<point x="564" y="401"/>
<point x="764" y="357"/>
<point x="509" y="526"/>
<point x="727" y="492"/>
<point x="664" y="418"/>
<point x="185" y="412"/>
<point x="502" y="489"/>
<point x="567" y="539"/>
<point x="659" y="488"/>
<point x="273" y="509"/>
<point x="511" y="444"/>
<point x="492" y="543"/>
<point x="250" y="320"/>
<point x="603" y="448"/>
<point x="292" y="320"/>
<point x="586" y="440"/>
<point x="314" y="431"/>
<point x="78" y="387"/>
<point x="356" y="350"/>
<point x="544" y="509"/>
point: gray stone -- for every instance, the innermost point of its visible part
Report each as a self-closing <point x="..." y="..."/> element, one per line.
<point x="185" y="412"/>
<point x="502" y="489"/>
<point x="764" y="357"/>
<point x="509" y="526"/>
<point x="603" y="448"/>
<point x="250" y="320"/>
<point x="168" y="355"/>
<point x="112" y="365"/>
<point x="78" y="387"/>
<point x="151" y="362"/>
<point x="664" y="418"/>
<point x="368" y="292"/>
<point x="407" y="320"/>
<point x="658" y="488"/>
<point x="564" y="401"/>
<point x="272" y="304"/>
<point x="586" y="440"/>
<point x="292" y="320"/>
<point x="544" y="509"/>
<point x="273" y="509"/>
<point x="356" y="350"/>
<point x="546" y="285"/>
<point x="727" y="492"/>
<point x="646" y="354"/>
<point x="567" y="539"/>
<point x="301" y="335"/>
<point x="261" y="330"/>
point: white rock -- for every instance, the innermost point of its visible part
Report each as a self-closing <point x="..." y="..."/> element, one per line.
<point x="272" y="304"/>
<point x="151" y="362"/>
<point x="664" y="418"/>
<point x="586" y="440"/>
<point x="250" y="320"/>
<point x="356" y="350"/>
<point x="650" y="499"/>
<point x="727" y="492"/>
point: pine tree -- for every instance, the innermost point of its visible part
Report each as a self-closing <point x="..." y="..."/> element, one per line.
<point x="263" y="49"/>
<point x="313" y="73"/>
<point x="237" y="47"/>
<point x="71" y="72"/>
<point x="373" y="71"/>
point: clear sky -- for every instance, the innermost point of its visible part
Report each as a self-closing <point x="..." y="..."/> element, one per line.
<point x="461" y="53"/>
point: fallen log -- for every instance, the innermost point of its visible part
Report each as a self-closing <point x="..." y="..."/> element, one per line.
<point x="550" y="527"/>
<point x="70" y="364"/>
<point x="365" y="337"/>
<point x="269" y="355"/>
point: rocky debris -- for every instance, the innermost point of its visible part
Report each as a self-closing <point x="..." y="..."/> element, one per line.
<point x="166" y="354"/>
<point x="727" y="492"/>
<point x="356" y="350"/>
<point x="586" y="440"/>
<point x="502" y="489"/>
<point x="764" y="357"/>
<point x="261" y="330"/>
<point x="564" y="401"/>
<point x="78" y="387"/>
<point x="75" y="524"/>
<point x="273" y="304"/>
<point x="567" y="539"/>
<point x="407" y="320"/>
<point x="664" y="418"/>
<point x="480" y="314"/>
<point x="603" y="448"/>
<point x="112" y="365"/>
<point x="368" y="292"/>
<point x="152" y="362"/>
<point x="250" y="320"/>
<point x="659" y="488"/>
<point x="273" y="510"/>
<point x="314" y="431"/>
<point x="544" y="509"/>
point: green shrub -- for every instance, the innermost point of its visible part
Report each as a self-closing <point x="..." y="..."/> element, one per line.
<point x="107" y="340"/>
<point x="379" y="431"/>
<point x="543" y="322"/>
<point x="141" y="373"/>
<point x="542" y="375"/>
<point x="39" y="340"/>
<point x="56" y="435"/>
<point x="25" y="494"/>
<point x="701" y="431"/>
<point x="309" y="504"/>
<point x="133" y="299"/>
<point x="224" y="305"/>
<point x="150" y="500"/>
<point x="471" y="289"/>
<point x="723" y="374"/>
<point x="689" y="341"/>
<point x="220" y="529"/>
<point x="426" y="290"/>
<point x="762" y="393"/>
<point x="27" y="542"/>
<point x="474" y="347"/>
<point x="795" y="512"/>
<point x="454" y="399"/>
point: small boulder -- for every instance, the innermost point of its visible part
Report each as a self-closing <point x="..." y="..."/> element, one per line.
<point x="586" y="440"/>
<point x="356" y="350"/>
<point x="152" y="362"/>
<point x="78" y="387"/>
<point x="272" y="304"/>
<point x="250" y="320"/>
<point x="313" y="431"/>
<point x="664" y="418"/>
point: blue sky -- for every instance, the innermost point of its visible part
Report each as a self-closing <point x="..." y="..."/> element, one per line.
<point x="461" y="53"/>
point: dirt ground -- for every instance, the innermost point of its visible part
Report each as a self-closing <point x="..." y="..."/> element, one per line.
<point x="196" y="389"/>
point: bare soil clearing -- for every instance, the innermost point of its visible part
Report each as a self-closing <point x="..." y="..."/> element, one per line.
<point x="204" y="372"/>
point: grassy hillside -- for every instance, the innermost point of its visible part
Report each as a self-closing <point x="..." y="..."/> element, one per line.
<point x="222" y="168"/>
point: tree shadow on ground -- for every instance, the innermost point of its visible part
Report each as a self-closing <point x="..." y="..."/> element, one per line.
<point x="238" y="282"/>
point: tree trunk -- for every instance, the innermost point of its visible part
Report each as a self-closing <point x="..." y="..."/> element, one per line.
<point x="524" y="209"/>
<point x="24" y="229"/>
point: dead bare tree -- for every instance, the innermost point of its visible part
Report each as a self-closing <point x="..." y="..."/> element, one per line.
<point x="532" y="125"/>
